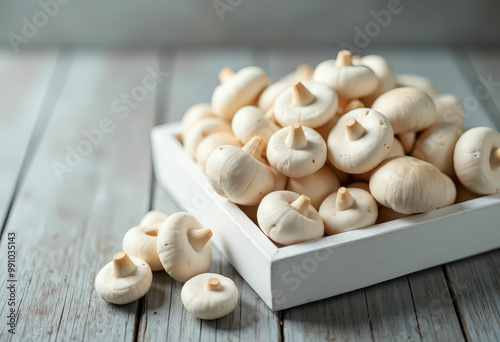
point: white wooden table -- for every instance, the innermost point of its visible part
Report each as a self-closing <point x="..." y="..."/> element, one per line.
<point x="69" y="221"/>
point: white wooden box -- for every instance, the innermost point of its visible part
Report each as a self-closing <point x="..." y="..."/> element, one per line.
<point x="294" y="275"/>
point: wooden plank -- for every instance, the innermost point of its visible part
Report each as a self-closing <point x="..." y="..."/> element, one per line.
<point x="194" y="78"/>
<point x="434" y="306"/>
<point x="23" y="85"/>
<point x="68" y="227"/>
<point x="475" y="286"/>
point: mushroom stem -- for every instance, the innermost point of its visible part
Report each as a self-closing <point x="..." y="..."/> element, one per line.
<point x="198" y="238"/>
<point x="354" y="129"/>
<point x="344" y="199"/>
<point x="496" y="155"/>
<point x="301" y="204"/>
<point x="296" y="138"/>
<point x="407" y="140"/>
<point x="213" y="284"/>
<point x="254" y="147"/>
<point x="301" y="96"/>
<point x="123" y="266"/>
<point x="151" y="230"/>
<point x="343" y="58"/>
<point x="225" y="74"/>
<point x="304" y="72"/>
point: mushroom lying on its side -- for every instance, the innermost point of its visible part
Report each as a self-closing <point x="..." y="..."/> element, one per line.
<point x="477" y="160"/>
<point x="124" y="279"/>
<point x="249" y="121"/>
<point x="288" y="218"/>
<point x="202" y="129"/>
<point x="194" y="114"/>
<point x="184" y="247"/>
<point x="210" y="143"/>
<point x="408" y="185"/>
<point x="239" y="90"/>
<point x="348" y="209"/>
<point x="209" y="296"/>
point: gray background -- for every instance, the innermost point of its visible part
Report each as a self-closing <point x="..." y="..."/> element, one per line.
<point x="181" y="22"/>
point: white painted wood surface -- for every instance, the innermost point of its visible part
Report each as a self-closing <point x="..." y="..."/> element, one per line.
<point x="52" y="216"/>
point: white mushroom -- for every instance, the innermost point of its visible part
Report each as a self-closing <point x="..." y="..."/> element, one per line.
<point x="239" y="175"/>
<point x="153" y="218"/>
<point x="194" y="114"/>
<point x="408" y="185"/>
<point x="296" y="151"/>
<point x="202" y="129"/>
<point x="348" y="81"/>
<point x="477" y="160"/>
<point x="451" y="192"/>
<point x="419" y="82"/>
<point x="183" y="246"/>
<point x="124" y="279"/>
<point x="209" y="296"/>
<point x="436" y="145"/>
<point x="316" y="186"/>
<point x="408" y="109"/>
<point x="360" y="141"/>
<point x="140" y="242"/>
<point x="449" y="109"/>
<point x="238" y="91"/>
<point x="210" y="143"/>
<point x="384" y="72"/>
<point x="346" y="210"/>
<point x="351" y="105"/>
<point x="250" y="121"/>
<point x="288" y="218"/>
<point x="304" y="72"/>
<point x="310" y="103"/>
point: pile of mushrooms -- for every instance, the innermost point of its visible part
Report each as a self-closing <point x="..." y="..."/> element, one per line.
<point x="179" y="245"/>
<point x="343" y="146"/>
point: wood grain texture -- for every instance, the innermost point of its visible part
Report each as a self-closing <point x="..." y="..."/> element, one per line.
<point x="164" y="317"/>
<point x="67" y="229"/>
<point x="23" y="85"/>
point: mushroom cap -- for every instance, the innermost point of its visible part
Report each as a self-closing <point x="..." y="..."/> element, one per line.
<point x="238" y="91"/>
<point x="408" y="185"/>
<point x="364" y="153"/>
<point x="271" y="93"/>
<point x="477" y="160"/>
<point x="202" y="129"/>
<point x="184" y="247"/>
<point x="316" y="113"/>
<point x="296" y="151"/>
<point x="209" y="296"/>
<point x="210" y="143"/>
<point x="451" y="192"/>
<point x="449" y="109"/>
<point x="316" y="186"/>
<point x="124" y="279"/>
<point x="384" y="72"/>
<point x="284" y="224"/>
<point x="419" y="82"/>
<point x="348" y="209"/>
<point x="304" y="72"/>
<point x="349" y="81"/>
<point x="249" y="121"/>
<point x="153" y="218"/>
<point x="408" y="109"/>
<point x="237" y="175"/>
<point x="193" y="114"/>
<point x="140" y="242"/>
<point x="436" y="145"/>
